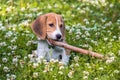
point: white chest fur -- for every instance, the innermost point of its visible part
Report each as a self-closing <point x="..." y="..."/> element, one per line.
<point x="43" y="51"/>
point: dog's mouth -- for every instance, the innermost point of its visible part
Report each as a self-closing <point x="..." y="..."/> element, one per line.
<point x="50" y="41"/>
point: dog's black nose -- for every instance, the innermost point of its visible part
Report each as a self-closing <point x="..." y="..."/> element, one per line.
<point x="58" y="36"/>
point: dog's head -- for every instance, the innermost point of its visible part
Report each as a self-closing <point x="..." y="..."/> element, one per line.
<point x="49" y="26"/>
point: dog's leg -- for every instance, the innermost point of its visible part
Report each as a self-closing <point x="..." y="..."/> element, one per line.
<point x="65" y="57"/>
<point x="42" y="50"/>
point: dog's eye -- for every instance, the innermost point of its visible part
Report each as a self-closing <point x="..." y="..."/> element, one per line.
<point x="61" y="26"/>
<point x="51" y="25"/>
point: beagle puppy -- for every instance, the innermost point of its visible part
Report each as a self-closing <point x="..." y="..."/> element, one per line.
<point x="50" y="26"/>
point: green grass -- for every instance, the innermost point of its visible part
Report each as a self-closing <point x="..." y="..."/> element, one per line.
<point x="92" y="25"/>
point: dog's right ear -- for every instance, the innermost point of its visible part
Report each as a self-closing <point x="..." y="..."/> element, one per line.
<point x="39" y="27"/>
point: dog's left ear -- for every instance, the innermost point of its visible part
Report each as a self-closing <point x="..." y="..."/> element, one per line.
<point x="39" y="27"/>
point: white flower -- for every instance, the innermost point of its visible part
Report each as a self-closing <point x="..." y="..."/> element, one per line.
<point x="6" y="69"/>
<point x="54" y="76"/>
<point x="77" y="65"/>
<point x="9" y="54"/>
<point x="9" y="9"/>
<point x="7" y="75"/>
<point x="25" y="23"/>
<point x="83" y="36"/>
<point x="119" y="38"/>
<point x="38" y="14"/>
<point x="110" y="60"/>
<point x="9" y="1"/>
<point x="35" y="74"/>
<point x="111" y="5"/>
<point x="25" y="57"/>
<point x="85" y="77"/>
<point x="52" y="60"/>
<point x="111" y="54"/>
<point x="87" y="64"/>
<point x="3" y="44"/>
<point x="49" y="6"/>
<point x="101" y="68"/>
<point x="93" y="21"/>
<point x="28" y="43"/>
<point x="95" y="78"/>
<point x="105" y="39"/>
<point x="56" y="5"/>
<point x="45" y="61"/>
<point x="114" y="37"/>
<point x="116" y="71"/>
<point x="61" y="67"/>
<point x="60" y="72"/>
<point x="86" y="73"/>
<point x="82" y="11"/>
<point x="56" y="61"/>
<point x="89" y="67"/>
<point x="76" y="58"/>
<point x="8" y="34"/>
<point x="13" y="40"/>
<point x="78" y="8"/>
<point x="87" y="33"/>
<point x="67" y="27"/>
<point x="23" y="9"/>
<point x="4" y="53"/>
<point x="47" y="68"/>
<point x="60" y="63"/>
<point x="2" y="28"/>
<point x="34" y="9"/>
<point x="13" y="77"/>
<point x="30" y="15"/>
<point x="72" y="65"/>
<point x="111" y="40"/>
<point x="77" y="36"/>
<point x="85" y="45"/>
<point x="35" y="65"/>
<point x="1" y="24"/>
<point x="4" y="60"/>
<point x="78" y="32"/>
<point x="12" y="47"/>
<point x="70" y="74"/>
<point x="8" y="79"/>
<point x="10" y="18"/>
<point x="14" y="60"/>
<point x="73" y="15"/>
<point x="44" y="71"/>
<point x="85" y="20"/>
<point x="108" y="24"/>
<point x="70" y="31"/>
<point x="119" y="52"/>
<point x="103" y="20"/>
<point x="30" y="56"/>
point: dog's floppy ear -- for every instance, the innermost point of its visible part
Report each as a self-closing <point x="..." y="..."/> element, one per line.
<point x="39" y="27"/>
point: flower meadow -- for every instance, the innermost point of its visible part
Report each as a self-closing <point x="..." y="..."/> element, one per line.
<point x="90" y="24"/>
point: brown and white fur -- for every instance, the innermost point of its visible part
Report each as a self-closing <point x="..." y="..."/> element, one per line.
<point x="50" y="26"/>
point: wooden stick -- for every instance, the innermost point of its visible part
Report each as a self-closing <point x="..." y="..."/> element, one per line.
<point x="73" y="48"/>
